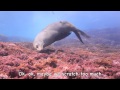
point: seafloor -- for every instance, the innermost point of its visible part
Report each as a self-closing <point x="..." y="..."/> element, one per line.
<point x="70" y="61"/>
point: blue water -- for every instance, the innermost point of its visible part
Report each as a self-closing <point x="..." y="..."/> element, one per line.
<point x="25" y="25"/>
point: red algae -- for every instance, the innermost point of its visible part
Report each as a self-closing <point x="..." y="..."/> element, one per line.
<point x="22" y="61"/>
<point x="3" y="53"/>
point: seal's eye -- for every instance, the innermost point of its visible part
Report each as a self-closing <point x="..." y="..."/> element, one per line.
<point x="36" y="46"/>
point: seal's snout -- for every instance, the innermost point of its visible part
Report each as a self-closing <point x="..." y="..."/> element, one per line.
<point x="39" y="49"/>
<point x="38" y="45"/>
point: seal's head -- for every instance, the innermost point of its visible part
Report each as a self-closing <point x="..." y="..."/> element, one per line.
<point x="38" y="45"/>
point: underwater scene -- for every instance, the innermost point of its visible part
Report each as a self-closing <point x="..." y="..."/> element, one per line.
<point x="59" y="44"/>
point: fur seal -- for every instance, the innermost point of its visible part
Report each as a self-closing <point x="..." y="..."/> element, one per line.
<point x="54" y="32"/>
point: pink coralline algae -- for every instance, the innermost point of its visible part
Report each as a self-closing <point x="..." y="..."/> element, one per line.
<point x="22" y="61"/>
<point x="3" y="53"/>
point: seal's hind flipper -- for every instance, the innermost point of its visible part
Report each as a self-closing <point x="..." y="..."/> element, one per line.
<point x="79" y="32"/>
<point x="82" y="33"/>
<point x="78" y="35"/>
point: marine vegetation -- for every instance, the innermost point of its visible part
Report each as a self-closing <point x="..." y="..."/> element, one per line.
<point x="21" y="61"/>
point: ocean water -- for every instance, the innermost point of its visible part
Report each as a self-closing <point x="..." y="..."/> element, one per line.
<point x="97" y="58"/>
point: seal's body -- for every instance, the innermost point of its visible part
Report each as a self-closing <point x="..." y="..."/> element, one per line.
<point x="55" y="32"/>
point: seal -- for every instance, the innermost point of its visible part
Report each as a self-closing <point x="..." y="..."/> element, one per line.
<point x="55" y="32"/>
